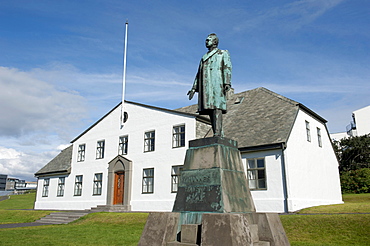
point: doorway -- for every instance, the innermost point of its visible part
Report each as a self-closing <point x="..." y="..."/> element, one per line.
<point x="119" y="182"/>
<point x="119" y="187"/>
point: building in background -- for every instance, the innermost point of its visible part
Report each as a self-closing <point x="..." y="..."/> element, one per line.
<point x="3" y="178"/>
<point x="285" y="147"/>
<point x="359" y="126"/>
<point x="9" y="185"/>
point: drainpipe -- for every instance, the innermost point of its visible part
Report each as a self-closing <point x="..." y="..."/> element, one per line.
<point x="283" y="173"/>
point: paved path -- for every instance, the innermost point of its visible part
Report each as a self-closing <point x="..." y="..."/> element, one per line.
<point x="16" y="225"/>
<point x="2" y="198"/>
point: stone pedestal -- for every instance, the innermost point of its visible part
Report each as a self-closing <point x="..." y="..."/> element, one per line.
<point x="213" y="205"/>
<point x="213" y="179"/>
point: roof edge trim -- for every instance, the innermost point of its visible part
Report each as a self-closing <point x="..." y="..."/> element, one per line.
<point x="54" y="173"/>
<point x="309" y="111"/>
<point x="281" y="145"/>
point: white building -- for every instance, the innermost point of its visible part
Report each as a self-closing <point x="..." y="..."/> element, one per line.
<point x="285" y="147"/>
<point x="359" y="126"/>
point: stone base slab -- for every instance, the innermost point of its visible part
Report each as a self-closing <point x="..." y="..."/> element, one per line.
<point x="232" y="229"/>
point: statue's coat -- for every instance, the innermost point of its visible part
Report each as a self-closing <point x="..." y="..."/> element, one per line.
<point x="214" y="73"/>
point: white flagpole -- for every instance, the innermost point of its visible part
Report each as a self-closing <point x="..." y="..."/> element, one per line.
<point x="124" y="78"/>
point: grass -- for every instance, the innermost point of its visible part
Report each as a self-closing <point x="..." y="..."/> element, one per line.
<point x="10" y="209"/>
<point x="331" y="224"/>
<point x="93" y="229"/>
<point x="353" y="203"/>
<point x="339" y="228"/>
<point x="19" y="202"/>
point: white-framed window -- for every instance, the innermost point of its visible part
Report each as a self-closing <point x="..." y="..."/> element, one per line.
<point x="98" y="179"/>
<point x="78" y="185"/>
<point x="45" y="189"/>
<point x="178" y="136"/>
<point x="319" y="137"/>
<point x="81" y="152"/>
<point x="149" y="141"/>
<point x="123" y="145"/>
<point x="175" y="178"/>
<point x="61" y="183"/>
<point x="100" y="149"/>
<point x="148" y="180"/>
<point x="308" y="131"/>
<point x="256" y="174"/>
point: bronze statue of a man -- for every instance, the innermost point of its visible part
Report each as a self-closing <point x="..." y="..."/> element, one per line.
<point x="212" y="82"/>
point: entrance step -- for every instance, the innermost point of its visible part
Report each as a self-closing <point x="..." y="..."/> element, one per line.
<point x="109" y="208"/>
<point x="61" y="217"/>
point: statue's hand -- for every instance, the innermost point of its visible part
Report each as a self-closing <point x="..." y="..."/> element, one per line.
<point x="191" y="93"/>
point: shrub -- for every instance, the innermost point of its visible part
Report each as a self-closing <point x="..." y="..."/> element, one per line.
<point x="356" y="181"/>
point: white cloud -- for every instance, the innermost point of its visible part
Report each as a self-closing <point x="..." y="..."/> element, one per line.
<point x="103" y="90"/>
<point x="21" y="165"/>
<point x="30" y="105"/>
<point x="7" y="154"/>
<point x="291" y="16"/>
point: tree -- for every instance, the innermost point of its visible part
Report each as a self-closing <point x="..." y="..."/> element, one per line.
<point x="353" y="153"/>
<point x="354" y="163"/>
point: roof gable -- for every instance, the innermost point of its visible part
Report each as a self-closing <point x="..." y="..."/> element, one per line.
<point x="145" y="106"/>
<point x="61" y="164"/>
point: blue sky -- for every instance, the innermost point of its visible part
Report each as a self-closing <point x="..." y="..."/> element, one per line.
<point x="61" y="61"/>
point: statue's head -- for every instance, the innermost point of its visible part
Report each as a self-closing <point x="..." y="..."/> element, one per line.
<point x="212" y="41"/>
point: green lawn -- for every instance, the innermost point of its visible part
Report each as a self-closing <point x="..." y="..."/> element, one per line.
<point x="93" y="229"/>
<point x="10" y="209"/>
<point x="126" y="228"/>
<point x="339" y="229"/>
<point x="353" y="203"/>
<point x="19" y="202"/>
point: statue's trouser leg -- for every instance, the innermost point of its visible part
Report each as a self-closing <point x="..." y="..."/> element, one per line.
<point x="216" y="119"/>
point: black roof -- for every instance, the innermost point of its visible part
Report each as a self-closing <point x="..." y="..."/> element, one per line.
<point x="259" y="117"/>
<point x="61" y="164"/>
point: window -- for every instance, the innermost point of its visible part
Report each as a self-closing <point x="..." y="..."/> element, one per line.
<point x="123" y="145"/>
<point x="61" y="183"/>
<point x="308" y="131"/>
<point x="81" y="152"/>
<point x="45" y="190"/>
<point x="78" y="185"/>
<point x="100" y="149"/>
<point x="319" y="137"/>
<point x="97" y="183"/>
<point x="178" y="139"/>
<point x="256" y="174"/>
<point x="175" y="178"/>
<point x="149" y="141"/>
<point x="148" y="180"/>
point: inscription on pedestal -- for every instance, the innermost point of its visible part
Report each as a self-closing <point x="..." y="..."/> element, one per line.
<point x="201" y="189"/>
<point x="200" y="177"/>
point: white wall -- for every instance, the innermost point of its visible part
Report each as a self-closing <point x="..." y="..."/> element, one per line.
<point x="312" y="171"/>
<point x="271" y="199"/>
<point x="362" y="117"/>
<point x="140" y="120"/>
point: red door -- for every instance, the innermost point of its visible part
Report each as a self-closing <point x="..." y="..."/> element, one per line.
<point x="119" y="184"/>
